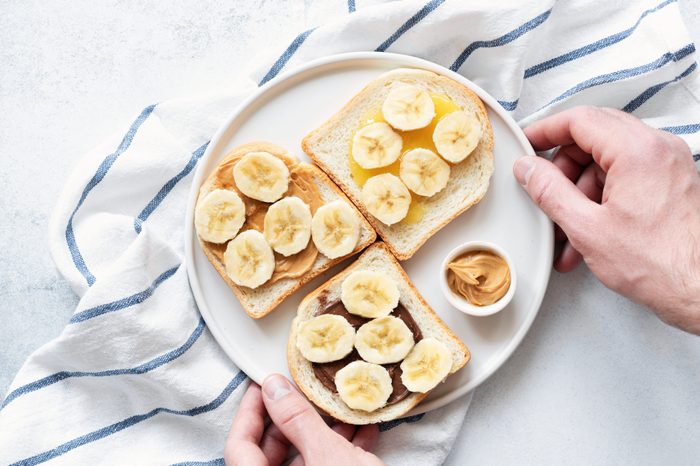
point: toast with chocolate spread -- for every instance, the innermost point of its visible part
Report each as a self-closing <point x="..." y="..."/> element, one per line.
<point x="358" y="366"/>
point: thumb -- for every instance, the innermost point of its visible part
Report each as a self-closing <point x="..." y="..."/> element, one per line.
<point x="556" y="195"/>
<point x="294" y="415"/>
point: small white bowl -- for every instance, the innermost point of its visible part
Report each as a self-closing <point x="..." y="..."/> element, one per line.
<point x="460" y="302"/>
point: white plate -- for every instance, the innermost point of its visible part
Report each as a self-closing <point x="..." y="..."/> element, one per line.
<point x="283" y="112"/>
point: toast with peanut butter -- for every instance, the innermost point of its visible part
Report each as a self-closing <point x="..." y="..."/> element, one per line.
<point x="269" y="223"/>
<point x="413" y="150"/>
<point x="365" y="347"/>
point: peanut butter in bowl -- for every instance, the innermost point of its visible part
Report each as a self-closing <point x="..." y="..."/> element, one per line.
<point x="481" y="277"/>
<point x="478" y="278"/>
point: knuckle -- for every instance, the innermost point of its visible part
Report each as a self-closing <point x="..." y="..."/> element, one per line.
<point x="293" y="414"/>
<point x="542" y="191"/>
<point x="656" y="143"/>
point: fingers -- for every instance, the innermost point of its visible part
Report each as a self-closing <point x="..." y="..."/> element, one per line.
<point x="606" y="134"/>
<point x="366" y="437"/>
<point x="568" y="259"/>
<point x="344" y="430"/>
<point x="274" y="445"/>
<point x="246" y="430"/>
<point x="589" y="185"/>
<point x="556" y="195"/>
<point x="293" y="414"/>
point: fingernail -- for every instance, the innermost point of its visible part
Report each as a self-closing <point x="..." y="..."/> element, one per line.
<point x="523" y="169"/>
<point x="276" y="387"/>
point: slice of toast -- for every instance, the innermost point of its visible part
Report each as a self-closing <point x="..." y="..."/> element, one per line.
<point x="261" y="301"/>
<point x="377" y="258"/>
<point x="329" y="146"/>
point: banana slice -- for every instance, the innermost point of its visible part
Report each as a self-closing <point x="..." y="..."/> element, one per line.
<point x="408" y="107"/>
<point x="387" y="198"/>
<point x="325" y="338"/>
<point x="288" y="225"/>
<point x="369" y="294"/>
<point x="219" y="215"/>
<point x="335" y="229"/>
<point x="424" y="172"/>
<point x="261" y="176"/>
<point x="456" y="135"/>
<point x="426" y="365"/>
<point x="363" y="385"/>
<point x="384" y="340"/>
<point x="376" y="145"/>
<point x="249" y="259"/>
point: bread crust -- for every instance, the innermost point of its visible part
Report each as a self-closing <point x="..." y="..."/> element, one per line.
<point x="299" y="367"/>
<point x="322" y="263"/>
<point x="391" y="235"/>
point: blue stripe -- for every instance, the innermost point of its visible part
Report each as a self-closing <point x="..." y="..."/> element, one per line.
<point x="131" y="421"/>
<point x="351" y="6"/>
<point x="384" y="426"/>
<point x="504" y="39"/>
<point x="696" y="157"/>
<point x="510" y="106"/>
<point x="682" y="129"/>
<point x="155" y="202"/>
<point x="627" y="73"/>
<point x="124" y="302"/>
<point x="637" y="102"/>
<point x="412" y="21"/>
<point x="284" y="58"/>
<point x="140" y="369"/>
<point x="97" y="177"/>
<point x="214" y="462"/>
<point x="593" y="47"/>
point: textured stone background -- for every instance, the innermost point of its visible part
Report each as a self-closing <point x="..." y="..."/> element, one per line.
<point x="597" y="379"/>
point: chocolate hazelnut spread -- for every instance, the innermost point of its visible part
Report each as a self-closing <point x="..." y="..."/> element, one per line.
<point x="301" y="185"/>
<point x="481" y="277"/>
<point x="325" y="372"/>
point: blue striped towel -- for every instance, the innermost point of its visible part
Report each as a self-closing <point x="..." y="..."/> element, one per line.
<point x="136" y="376"/>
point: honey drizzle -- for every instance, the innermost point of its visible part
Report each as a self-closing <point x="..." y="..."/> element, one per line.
<point x="419" y="138"/>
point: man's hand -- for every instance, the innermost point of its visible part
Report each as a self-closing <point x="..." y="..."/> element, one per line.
<point x="294" y="423"/>
<point x="626" y="199"/>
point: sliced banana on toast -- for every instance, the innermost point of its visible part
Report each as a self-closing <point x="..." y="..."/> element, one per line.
<point x="287" y="225"/>
<point x="363" y="385"/>
<point x="325" y="338"/>
<point x="219" y="216"/>
<point x="408" y="107"/>
<point x="384" y="340"/>
<point x="249" y="260"/>
<point x="386" y="198"/>
<point x="428" y="363"/>
<point x="376" y="145"/>
<point x="261" y="176"/>
<point x="424" y="172"/>
<point x="335" y="229"/>
<point x="370" y="294"/>
<point x="456" y="135"/>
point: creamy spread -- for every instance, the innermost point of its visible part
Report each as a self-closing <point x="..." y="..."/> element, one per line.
<point x="301" y="184"/>
<point x="325" y="372"/>
<point x="481" y="277"/>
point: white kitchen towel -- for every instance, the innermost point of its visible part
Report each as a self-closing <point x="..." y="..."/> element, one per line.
<point x="136" y="377"/>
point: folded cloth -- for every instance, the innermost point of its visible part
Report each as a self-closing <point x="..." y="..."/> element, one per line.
<point x="136" y="376"/>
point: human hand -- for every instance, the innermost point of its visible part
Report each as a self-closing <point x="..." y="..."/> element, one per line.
<point x="626" y="200"/>
<point x="294" y="423"/>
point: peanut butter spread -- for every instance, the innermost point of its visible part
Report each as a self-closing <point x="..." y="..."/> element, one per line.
<point x="481" y="277"/>
<point x="325" y="372"/>
<point x="301" y="185"/>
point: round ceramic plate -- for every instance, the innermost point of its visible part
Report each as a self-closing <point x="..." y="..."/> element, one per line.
<point x="283" y="111"/>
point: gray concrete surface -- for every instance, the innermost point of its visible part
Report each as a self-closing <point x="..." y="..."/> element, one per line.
<point x="597" y="380"/>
